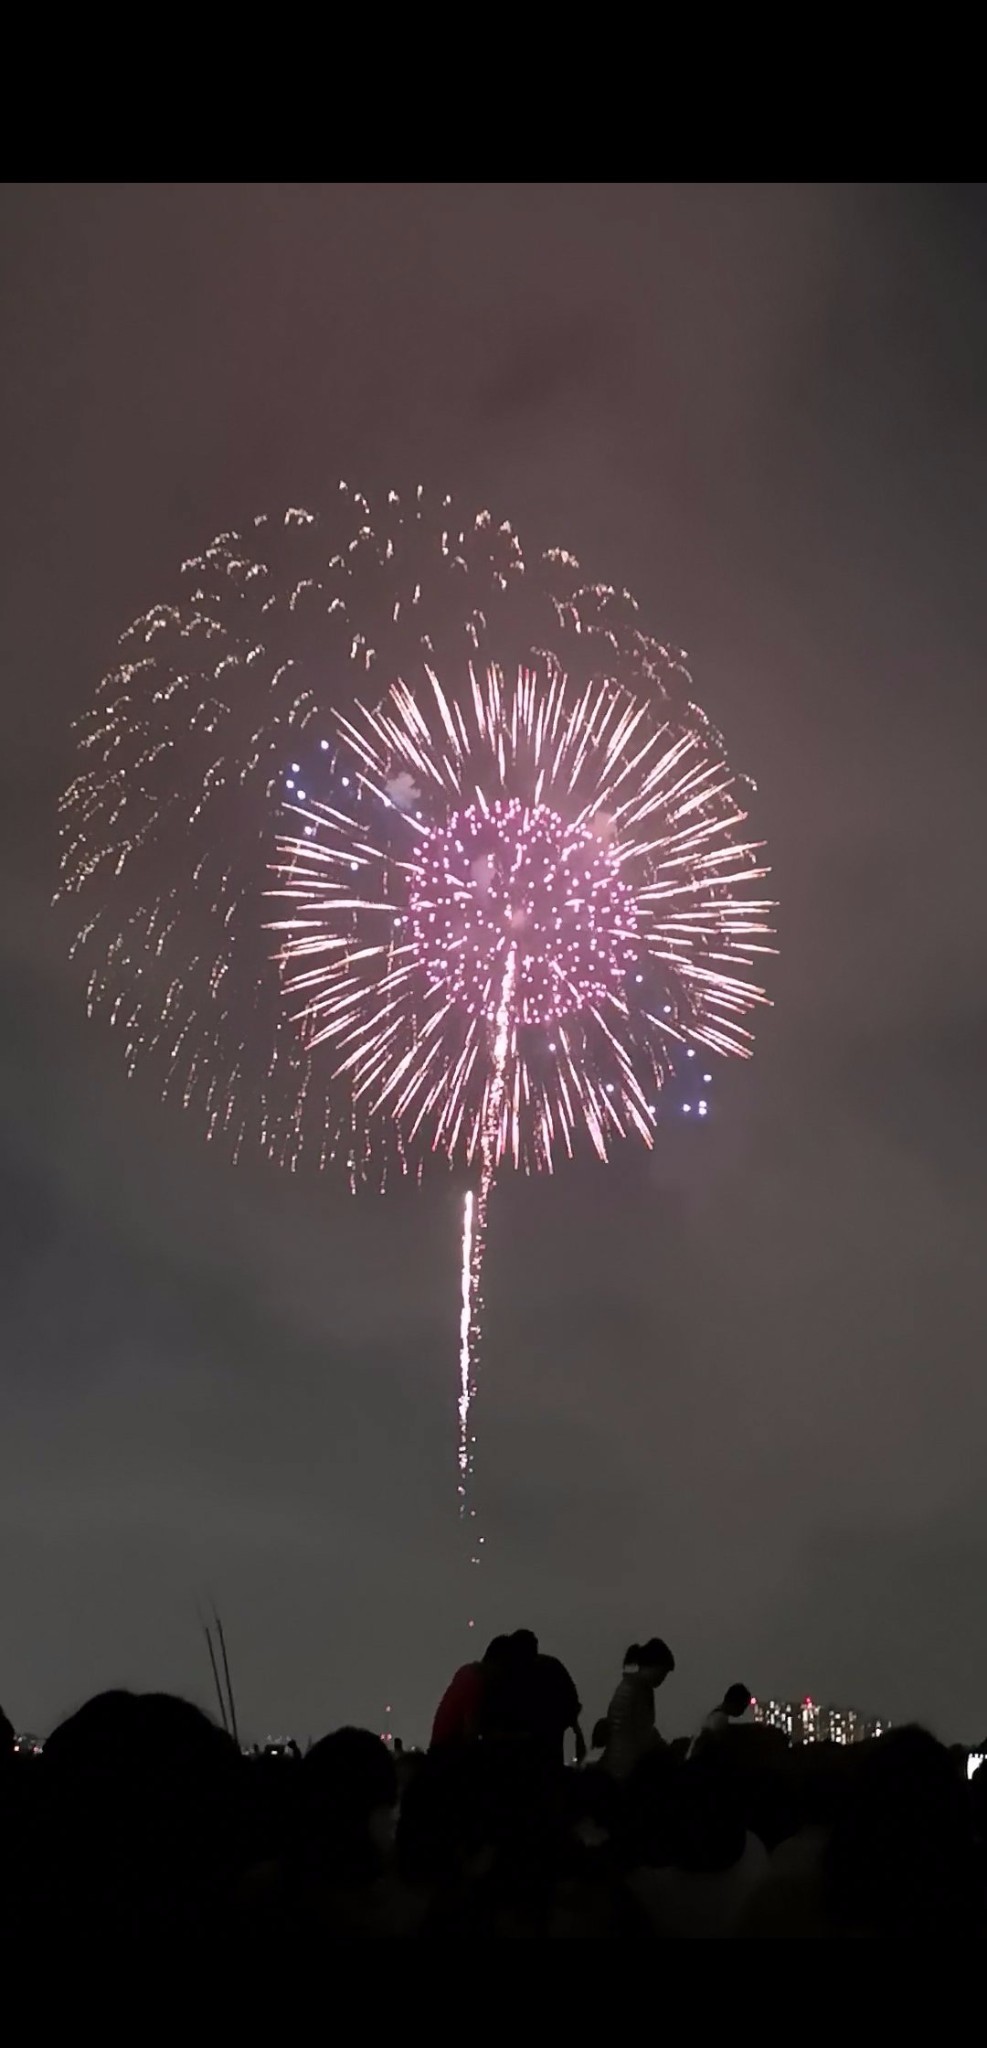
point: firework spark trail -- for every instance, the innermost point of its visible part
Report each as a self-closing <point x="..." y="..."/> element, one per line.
<point x="474" y="1241"/>
<point x="466" y="1370"/>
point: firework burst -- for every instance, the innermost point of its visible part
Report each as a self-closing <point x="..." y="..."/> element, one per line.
<point x="508" y="907"/>
<point x="568" y="846"/>
<point x="216" y="695"/>
<point x="514" y="870"/>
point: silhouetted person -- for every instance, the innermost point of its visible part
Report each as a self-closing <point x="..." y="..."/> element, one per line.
<point x="697" y="1864"/>
<point x="136" y="1817"/>
<point x="458" y="1714"/>
<point x="529" y="1697"/>
<point x="149" y="1736"/>
<point x="901" y="1860"/>
<point x="631" y="1731"/>
<point x="351" y="1791"/>
<point x="733" y="1706"/>
<point x="889" y="1850"/>
<point x="334" y="1877"/>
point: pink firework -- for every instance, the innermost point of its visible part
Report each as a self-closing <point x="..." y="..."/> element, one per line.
<point x="212" y="711"/>
<point x="516" y="875"/>
<point x="516" y="895"/>
<point x="507" y="908"/>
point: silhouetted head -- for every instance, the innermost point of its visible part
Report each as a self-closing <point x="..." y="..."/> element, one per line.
<point x="150" y="1734"/>
<point x="524" y="1646"/>
<point x="350" y="1787"/>
<point x="736" y="1701"/>
<point x="653" y="1660"/>
<point x="902" y="1859"/>
<point x="497" y="1650"/>
<point x="353" y="1768"/>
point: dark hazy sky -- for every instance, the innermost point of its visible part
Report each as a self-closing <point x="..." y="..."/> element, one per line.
<point x="741" y="1401"/>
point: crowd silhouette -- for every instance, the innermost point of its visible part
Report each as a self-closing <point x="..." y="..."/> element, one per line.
<point x="142" y="1819"/>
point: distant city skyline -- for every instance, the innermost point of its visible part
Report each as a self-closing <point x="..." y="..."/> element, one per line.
<point x="809" y="1720"/>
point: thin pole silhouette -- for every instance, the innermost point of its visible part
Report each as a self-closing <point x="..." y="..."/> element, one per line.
<point x="226" y="1668"/>
<point x="215" y="1673"/>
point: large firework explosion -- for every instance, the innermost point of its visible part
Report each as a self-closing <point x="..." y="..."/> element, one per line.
<point x="517" y="874"/>
<point x="167" y="827"/>
<point x="507" y="909"/>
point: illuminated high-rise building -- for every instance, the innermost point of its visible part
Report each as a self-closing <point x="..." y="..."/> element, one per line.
<point x="806" y="1720"/>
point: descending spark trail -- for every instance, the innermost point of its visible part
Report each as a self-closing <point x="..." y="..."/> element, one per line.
<point x="466" y="1365"/>
<point x="475" y="1229"/>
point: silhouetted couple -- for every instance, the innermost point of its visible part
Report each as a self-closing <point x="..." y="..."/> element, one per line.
<point x="514" y="1695"/>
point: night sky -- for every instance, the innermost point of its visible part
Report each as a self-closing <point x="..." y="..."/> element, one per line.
<point x="736" y="1396"/>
